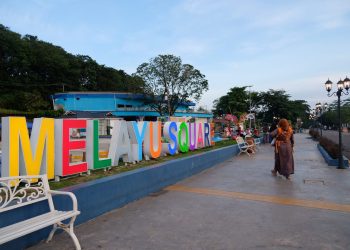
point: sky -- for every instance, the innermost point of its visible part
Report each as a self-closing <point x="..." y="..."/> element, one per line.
<point x="291" y="45"/>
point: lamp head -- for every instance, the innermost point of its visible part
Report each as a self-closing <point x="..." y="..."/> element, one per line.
<point x="340" y="85"/>
<point x="346" y="83"/>
<point x="328" y="85"/>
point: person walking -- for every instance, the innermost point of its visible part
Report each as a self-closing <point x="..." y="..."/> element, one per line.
<point x="284" y="161"/>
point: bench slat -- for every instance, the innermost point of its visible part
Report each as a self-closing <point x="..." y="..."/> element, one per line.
<point x="31" y="225"/>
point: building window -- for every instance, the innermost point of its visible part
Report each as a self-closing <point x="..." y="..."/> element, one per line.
<point x="121" y="106"/>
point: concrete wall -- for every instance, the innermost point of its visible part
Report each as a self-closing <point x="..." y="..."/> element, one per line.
<point x="102" y="195"/>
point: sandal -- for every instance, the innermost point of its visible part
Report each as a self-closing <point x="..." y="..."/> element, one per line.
<point x="274" y="172"/>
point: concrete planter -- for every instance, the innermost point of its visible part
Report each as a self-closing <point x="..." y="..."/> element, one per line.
<point x="331" y="161"/>
<point x="102" y="195"/>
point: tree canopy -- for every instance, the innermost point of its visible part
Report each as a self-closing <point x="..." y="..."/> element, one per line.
<point x="32" y="70"/>
<point x="269" y="105"/>
<point x="236" y="101"/>
<point x="330" y="117"/>
<point x="168" y="83"/>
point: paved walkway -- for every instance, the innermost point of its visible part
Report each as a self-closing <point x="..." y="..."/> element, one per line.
<point x="234" y="205"/>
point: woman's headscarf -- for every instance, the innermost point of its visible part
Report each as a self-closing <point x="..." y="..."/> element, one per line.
<point x="283" y="124"/>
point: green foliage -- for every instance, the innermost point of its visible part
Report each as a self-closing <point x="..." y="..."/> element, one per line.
<point x="236" y="101"/>
<point x="32" y="114"/>
<point x="168" y="83"/>
<point x="32" y="70"/>
<point x="330" y="118"/>
<point x="267" y="105"/>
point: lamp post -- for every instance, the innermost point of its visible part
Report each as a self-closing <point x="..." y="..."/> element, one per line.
<point x="320" y="109"/>
<point x="343" y="89"/>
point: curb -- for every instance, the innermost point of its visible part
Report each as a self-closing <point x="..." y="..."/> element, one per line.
<point x="331" y="161"/>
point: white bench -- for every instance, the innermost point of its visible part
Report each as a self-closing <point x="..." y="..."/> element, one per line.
<point x="244" y="146"/>
<point x="257" y="142"/>
<point x="18" y="191"/>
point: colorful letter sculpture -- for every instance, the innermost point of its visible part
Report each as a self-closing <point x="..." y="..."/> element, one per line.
<point x="50" y="148"/>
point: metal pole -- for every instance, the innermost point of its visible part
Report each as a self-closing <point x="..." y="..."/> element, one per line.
<point x="340" y="154"/>
<point x="321" y="123"/>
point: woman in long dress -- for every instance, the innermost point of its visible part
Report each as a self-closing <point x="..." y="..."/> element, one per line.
<point x="284" y="162"/>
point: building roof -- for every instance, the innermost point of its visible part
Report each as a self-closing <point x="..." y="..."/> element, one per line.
<point x="123" y="95"/>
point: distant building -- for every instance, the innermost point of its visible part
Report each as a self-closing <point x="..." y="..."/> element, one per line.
<point x="114" y="105"/>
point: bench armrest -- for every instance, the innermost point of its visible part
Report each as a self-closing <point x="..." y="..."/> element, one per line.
<point x="70" y="194"/>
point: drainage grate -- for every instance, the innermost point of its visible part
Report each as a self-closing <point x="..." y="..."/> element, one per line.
<point x="314" y="181"/>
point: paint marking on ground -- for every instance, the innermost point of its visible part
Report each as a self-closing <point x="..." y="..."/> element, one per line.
<point x="263" y="198"/>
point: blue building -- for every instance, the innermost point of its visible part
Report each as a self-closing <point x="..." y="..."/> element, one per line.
<point x="128" y="106"/>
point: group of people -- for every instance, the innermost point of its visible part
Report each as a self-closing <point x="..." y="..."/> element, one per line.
<point x="249" y="132"/>
<point x="283" y="144"/>
<point x="229" y="132"/>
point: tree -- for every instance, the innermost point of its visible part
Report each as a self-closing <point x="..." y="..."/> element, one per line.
<point x="330" y="118"/>
<point x="168" y="83"/>
<point x="267" y="105"/>
<point x="32" y="70"/>
<point x="236" y="101"/>
<point x="202" y="109"/>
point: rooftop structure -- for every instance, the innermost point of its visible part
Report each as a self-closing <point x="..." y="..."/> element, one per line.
<point x="129" y="106"/>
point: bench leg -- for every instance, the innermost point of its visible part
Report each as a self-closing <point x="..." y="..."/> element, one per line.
<point x="74" y="238"/>
<point x="69" y="228"/>
<point x="55" y="227"/>
<point x="70" y="231"/>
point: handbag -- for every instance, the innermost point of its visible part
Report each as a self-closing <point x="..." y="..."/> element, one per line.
<point x="273" y="142"/>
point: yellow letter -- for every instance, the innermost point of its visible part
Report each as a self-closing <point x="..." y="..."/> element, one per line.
<point x="17" y="155"/>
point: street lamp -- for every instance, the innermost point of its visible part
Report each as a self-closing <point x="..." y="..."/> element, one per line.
<point x="343" y="88"/>
<point x="320" y="109"/>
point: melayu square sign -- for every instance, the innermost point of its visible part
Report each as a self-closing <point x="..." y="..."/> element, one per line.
<point x="47" y="150"/>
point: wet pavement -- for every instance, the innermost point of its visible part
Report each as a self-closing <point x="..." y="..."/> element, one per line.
<point x="237" y="204"/>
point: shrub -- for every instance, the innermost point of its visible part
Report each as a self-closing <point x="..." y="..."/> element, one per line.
<point x="330" y="146"/>
<point x="314" y="133"/>
<point x="31" y="115"/>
